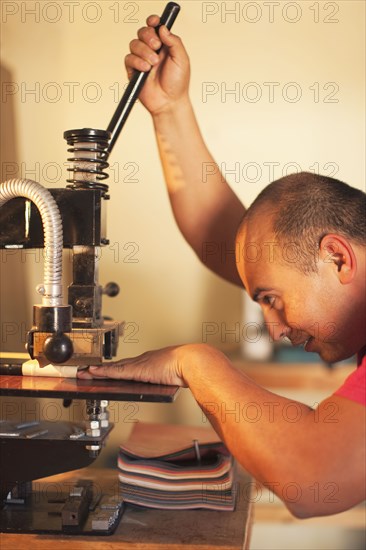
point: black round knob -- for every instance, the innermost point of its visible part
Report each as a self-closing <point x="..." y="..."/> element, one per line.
<point x="111" y="289"/>
<point x="58" y="348"/>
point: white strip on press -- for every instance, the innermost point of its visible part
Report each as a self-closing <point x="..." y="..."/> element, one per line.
<point x="32" y="368"/>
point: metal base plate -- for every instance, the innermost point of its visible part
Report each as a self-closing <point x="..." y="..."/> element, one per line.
<point x="51" y="510"/>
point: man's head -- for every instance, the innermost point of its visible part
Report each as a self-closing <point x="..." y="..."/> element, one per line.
<point x="301" y="251"/>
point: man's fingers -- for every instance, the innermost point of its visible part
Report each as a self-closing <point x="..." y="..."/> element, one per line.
<point x="123" y="370"/>
<point x="144" y="51"/>
<point x="153" y="20"/>
<point x="133" y="62"/>
<point x="110" y="371"/>
<point x="149" y="37"/>
<point x="169" y="39"/>
<point x="175" y="45"/>
<point x="84" y="375"/>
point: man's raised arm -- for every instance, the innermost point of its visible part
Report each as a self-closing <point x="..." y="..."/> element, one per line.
<point x="206" y="209"/>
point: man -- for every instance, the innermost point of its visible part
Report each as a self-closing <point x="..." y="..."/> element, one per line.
<point x="308" y="276"/>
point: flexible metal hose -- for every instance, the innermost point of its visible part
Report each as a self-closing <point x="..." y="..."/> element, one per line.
<point x="51" y="289"/>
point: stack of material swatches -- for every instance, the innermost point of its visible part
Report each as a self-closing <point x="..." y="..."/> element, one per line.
<point x="176" y="467"/>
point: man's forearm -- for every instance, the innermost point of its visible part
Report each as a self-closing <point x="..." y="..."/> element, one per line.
<point x="283" y="443"/>
<point x="254" y="422"/>
<point x="206" y="209"/>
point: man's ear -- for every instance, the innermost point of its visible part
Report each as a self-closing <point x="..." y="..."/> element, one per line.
<point x="338" y="251"/>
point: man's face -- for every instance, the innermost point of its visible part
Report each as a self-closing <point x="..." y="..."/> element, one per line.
<point x="314" y="311"/>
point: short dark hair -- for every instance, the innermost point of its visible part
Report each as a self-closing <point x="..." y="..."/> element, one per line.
<point x="304" y="207"/>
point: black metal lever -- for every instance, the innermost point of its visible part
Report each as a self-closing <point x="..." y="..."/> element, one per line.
<point x="136" y="83"/>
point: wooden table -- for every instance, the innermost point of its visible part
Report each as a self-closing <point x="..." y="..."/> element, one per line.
<point x="144" y="529"/>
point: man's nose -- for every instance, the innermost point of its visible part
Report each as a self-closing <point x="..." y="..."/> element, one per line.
<point x="276" y="325"/>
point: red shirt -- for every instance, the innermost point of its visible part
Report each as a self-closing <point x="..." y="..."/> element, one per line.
<point x="354" y="387"/>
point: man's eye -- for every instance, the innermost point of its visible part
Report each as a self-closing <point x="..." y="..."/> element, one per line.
<point x="269" y="300"/>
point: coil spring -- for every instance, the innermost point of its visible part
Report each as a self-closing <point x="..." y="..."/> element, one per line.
<point x="92" y="164"/>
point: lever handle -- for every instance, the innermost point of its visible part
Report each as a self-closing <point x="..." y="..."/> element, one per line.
<point x="136" y="83"/>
